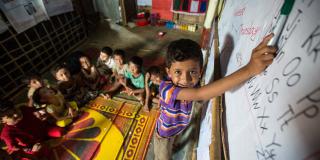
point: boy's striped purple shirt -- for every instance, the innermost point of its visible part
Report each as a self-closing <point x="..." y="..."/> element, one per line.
<point x="175" y="115"/>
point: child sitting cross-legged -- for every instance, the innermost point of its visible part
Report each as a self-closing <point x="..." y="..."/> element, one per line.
<point x="120" y="67"/>
<point x="134" y="82"/>
<point x="119" y="70"/>
<point x="72" y="88"/>
<point x="63" y="112"/>
<point x="105" y="58"/>
<point x="89" y="73"/>
<point x="23" y="133"/>
<point x="94" y="80"/>
<point x="34" y="81"/>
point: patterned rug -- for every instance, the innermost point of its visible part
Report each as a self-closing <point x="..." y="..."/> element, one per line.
<point x="108" y="129"/>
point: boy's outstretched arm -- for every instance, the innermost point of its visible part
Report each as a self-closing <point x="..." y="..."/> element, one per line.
<point x="261" y="57"/>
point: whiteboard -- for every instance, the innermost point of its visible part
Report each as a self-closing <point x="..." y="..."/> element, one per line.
<point x="274" y="115"/>
<point x="206" y="122"/>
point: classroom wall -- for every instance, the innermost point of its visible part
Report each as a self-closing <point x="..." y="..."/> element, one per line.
<point x="163" y="8"/>
<point x="274" y="115"/>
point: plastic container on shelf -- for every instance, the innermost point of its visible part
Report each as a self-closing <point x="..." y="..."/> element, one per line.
<point x="154" y="18"/>
<point x="141" y="22"/>
<point x="169" y="25"/>
<point x="140" y="15"/>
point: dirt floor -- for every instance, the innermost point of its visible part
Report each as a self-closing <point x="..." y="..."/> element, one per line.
<point x="141" y="41"/>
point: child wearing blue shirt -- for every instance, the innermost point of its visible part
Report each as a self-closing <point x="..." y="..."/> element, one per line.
<point x="135" y="76"/>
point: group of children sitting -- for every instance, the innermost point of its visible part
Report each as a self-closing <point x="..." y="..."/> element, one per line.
<point x="79" y="82"/>
<point x="174" y="93"/>
<point x="110" y="75"/>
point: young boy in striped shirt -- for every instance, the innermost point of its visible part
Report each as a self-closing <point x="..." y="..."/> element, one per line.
<point x="184" y="67"/>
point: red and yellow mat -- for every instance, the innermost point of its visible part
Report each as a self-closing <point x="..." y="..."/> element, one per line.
<point x="108" y="129"/>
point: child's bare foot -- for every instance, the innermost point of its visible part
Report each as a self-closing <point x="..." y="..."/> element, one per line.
<point x="140" y="99"/>
<point x="146" y="108"/>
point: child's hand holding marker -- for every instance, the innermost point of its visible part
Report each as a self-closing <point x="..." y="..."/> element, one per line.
<point x="281" y="21"/>
<point x="262" y="56"/>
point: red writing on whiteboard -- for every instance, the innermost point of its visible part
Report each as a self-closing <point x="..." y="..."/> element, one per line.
<point x="239" y="12"/>
<point x="249" y="30"/>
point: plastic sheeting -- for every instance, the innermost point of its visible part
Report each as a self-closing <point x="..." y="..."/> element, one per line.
<point x="108" y="9"/>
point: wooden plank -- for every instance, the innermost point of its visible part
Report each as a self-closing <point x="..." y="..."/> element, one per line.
<point x="215" y="147"/>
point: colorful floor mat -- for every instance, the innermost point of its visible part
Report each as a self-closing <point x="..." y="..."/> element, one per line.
<point x="108" y="129"/>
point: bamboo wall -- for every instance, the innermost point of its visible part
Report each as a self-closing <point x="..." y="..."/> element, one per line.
<point x="37" y="48"/>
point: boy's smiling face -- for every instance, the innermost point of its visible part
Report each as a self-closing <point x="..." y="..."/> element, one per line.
<point x="184" y="74"/>
<point x="118" y="59"/>
<point x="85" y="63"/>
<point x="134" y="69"/>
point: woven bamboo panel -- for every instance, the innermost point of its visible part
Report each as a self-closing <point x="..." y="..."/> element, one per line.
<point x="37" y="49"/>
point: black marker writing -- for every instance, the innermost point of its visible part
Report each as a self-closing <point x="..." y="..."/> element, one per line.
<point x="263" y="125"/>
<point x="310" y="111"/>
<point x="309" y="4"/>
<point x="255" y="97"/>
<point x="270" y="90"/>
<point x="311" y="48"/>
<point x="273" y="143"/>
<point x="289" y="30"/>
<point x="290" y="67"/>
<point x="312" y="96"/>
<point x="289" y="111"/>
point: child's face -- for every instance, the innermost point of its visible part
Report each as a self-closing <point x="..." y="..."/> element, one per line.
<point x="134" y="69"/>
<point x="12" y="117"/>
<point x="118" y="59"/>
<point x="103" y="56"/>
<point x="34" y="83"/>
<point x="85" y="63"/>
<point x="63" y="75"/>
<point x="155" y="78"/>
<point x="46" y="94"/>
<point x="185" y="74"/>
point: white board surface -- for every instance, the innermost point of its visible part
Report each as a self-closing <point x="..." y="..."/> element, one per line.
<point x="274" y="115"/>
